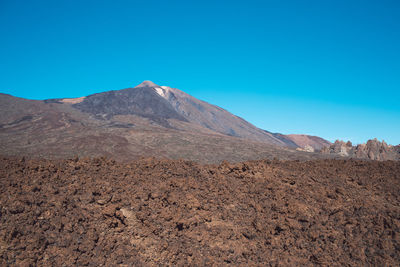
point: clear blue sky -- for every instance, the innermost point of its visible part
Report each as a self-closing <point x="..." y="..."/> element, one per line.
<point x="329" y="68"/>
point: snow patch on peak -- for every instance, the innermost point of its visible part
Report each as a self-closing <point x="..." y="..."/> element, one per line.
<point x="162" y="90"/>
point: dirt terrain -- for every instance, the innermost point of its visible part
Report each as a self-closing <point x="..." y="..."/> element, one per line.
<point x="98" y="212"/>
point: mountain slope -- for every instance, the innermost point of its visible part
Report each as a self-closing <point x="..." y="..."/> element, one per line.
<point x="141" y="101"/>
<point x="39" y="129"/>
<point x="317" y="143"/>
<point x="216" y="118"/>
<point x="162" y="104"/>
<point x="148" y="120"/>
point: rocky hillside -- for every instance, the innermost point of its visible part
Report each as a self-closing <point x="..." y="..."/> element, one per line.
<point x="140" y="101"/>
<point x="373" y="149"/>
<point x="55" y="129"/>
<point x="147" y="120"/>
<point x="161" y="103"/>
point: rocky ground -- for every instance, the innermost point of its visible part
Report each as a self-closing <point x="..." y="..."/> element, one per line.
<point x="98" y="212"/>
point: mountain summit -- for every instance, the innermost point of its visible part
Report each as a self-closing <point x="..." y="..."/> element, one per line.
<point x="147" y="84"/>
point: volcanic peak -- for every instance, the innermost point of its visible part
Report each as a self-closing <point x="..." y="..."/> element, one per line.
<point x="147" y="84"/>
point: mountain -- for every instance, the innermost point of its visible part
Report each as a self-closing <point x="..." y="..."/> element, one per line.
<point x="142" y="101"/>
<point x="146" y="120"/>
<point x="162" y="103"/>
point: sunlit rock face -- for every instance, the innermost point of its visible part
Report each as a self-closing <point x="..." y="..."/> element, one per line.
<point x="373" y="149"/>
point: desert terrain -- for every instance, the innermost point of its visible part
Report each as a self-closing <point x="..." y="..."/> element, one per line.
<point x="149" y="212"/>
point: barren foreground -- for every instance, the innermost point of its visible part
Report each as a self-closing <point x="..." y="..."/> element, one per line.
<point x="158" y="212"/>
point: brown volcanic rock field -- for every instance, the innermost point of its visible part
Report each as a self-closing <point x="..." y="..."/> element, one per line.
<point x="98" y="212"/>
